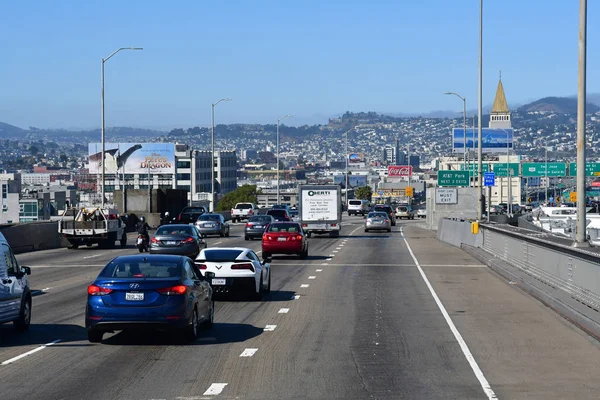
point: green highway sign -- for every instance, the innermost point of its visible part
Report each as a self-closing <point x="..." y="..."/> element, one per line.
<point x="453" y="178"/>
<point x="500" y="169"/>
<point x="474" y="167"/>
<point x="591" y="169"/>
<point x="539" y="169"/>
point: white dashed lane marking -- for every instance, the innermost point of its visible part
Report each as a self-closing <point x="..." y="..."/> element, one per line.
<point x="312" y="277"/>
<point x="215" y="389"/>
<point x="248" y="352"/>
<point x="270" y="328"/>
<point x="295" y="297"/>
<point x="304" y="285"/>
<point x="318" y="270"/>
<point x="95" y="255"/>
<point x="283" y="311"/>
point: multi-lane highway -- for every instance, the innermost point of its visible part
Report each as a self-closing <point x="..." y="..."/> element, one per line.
<point x="367" y="316"/>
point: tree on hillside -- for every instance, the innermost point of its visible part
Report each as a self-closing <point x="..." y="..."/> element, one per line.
<point x="364" y="193"/>
<point x="243" y="194"/>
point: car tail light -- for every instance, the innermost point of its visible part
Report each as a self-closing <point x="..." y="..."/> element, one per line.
<point x="267" y="237"/>
<point x="201" y="266"/>
<point x="188" y="240"/>
<point x="94" y="290"/>
<point x="173" y="290"/>
<point x="179" y="217"/>
<point x="250" y="212"/>
<point x="154" y="240"/>
<point x="333" y="224"/>
<point x="248" y="225"/>
<point x="232" y="210"/>
<point x="304" y="225"/>
<point x="248" y="266"/>
<point x="387" y="220"/>
<point x="299" y="237"/>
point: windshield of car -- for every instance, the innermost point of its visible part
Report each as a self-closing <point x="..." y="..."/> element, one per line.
<point x="290" y="228"/>
<point x="210" y="217"/>
<point x="192" y="210"/>
<point x="382" y="208"/>
<point x="279" y="207"/>
<point x="243" y="206"/>
<point x="134" y="269"/>
<point x="170" y="230"/>
<point x="277" y="213"/>
<point x="377" y="215"/>
<point x="260" y="218"/>
<point x="402" y="209"/>
<point x="221" y="255"/>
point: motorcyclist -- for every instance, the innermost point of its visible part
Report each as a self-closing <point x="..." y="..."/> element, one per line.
<point x="143" y="227"/>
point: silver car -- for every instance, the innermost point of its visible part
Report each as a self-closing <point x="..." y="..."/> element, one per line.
<point x="378" y="220"/>
<point x="212" y="224"/>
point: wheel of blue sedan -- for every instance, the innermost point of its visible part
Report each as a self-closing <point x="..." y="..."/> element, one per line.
<point x="192" y="330"/>
<point x="211" y="318"/>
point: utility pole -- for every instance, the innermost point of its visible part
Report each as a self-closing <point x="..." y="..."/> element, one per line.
<point x="479" y="111"/>
<point x="580" y="231"/>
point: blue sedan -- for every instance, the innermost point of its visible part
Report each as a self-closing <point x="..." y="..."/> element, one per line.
<point x="149" y="291"/>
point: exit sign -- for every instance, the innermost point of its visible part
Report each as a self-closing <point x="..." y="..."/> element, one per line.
<point x="453" y="178"/>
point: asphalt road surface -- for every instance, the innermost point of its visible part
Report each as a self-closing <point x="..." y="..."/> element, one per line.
<point x="367" y="316"/>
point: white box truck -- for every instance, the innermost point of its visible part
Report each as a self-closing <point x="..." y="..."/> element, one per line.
<point x="320" y="209"/>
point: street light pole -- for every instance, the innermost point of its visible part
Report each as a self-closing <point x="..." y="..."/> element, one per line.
<point x="479" y="111"/>
<point x="102" y="106"/>
<point x="580" y="231"/>
<point x="464" y="100"/>
<point x="546" y="175"/>
<point x="346" y="156"/>
<point x="212" y="154"/>
<point x="278" y="121"/>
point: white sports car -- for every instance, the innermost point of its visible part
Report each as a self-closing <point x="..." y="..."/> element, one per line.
<point x="236" y="269"/>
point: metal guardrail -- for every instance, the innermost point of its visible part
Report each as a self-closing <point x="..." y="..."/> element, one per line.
<point x="571" y="270"/>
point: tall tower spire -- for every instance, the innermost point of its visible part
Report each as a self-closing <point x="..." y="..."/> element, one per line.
<point x="500" y="116"/>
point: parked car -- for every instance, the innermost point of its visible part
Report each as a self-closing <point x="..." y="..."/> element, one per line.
<point x="378" y="220"/>
<point x="15" y="294"/>
<point x="189" y="215"/>
<point x="243" y="211"/>
<point x="356" y="207"/>
<point x="386" y="209"/>
<point x="405" y="211"/>
<point x="279" y="215"/>
<point x="284" y="238"/>
<point x="145" y="291"/>
<point x="178" y="239"/>
<point x="256" y="225"/>
<point x="212" y="224"/>
<point x="236" y="269"/>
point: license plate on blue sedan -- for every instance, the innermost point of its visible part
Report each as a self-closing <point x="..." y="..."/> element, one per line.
<point x="170" y="242"/>
<point x="134" y="296"/>
<point x="219" y="281"/>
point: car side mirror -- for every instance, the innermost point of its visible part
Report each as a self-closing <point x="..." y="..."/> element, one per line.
<point x="209" y="275"/>
<point x="26" y="270"/>
<point x="267" y="260"/>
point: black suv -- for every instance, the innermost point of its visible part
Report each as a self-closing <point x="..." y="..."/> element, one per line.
<point x="386" y="209"/>
<point x="189" y="215"/>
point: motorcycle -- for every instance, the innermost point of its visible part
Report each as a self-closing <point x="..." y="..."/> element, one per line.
<point x="142" y="244"/>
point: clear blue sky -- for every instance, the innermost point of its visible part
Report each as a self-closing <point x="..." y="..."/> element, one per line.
<point x="311" y="58"/>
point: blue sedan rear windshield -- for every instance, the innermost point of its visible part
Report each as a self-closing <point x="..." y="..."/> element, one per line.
<point x="157" y="269"/>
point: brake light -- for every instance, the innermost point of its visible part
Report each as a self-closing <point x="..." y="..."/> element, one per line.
<point x="232" y="210"/>
<point x="333" y="224"/>
<point x="154" y="240"/>
<point x="299" y="237"/>
<point x="248" y="225"/>
<point x="173" y="291"/>
<point x="248" y="266"/>
<point x="201" y="266"/>
<point x="94" y="290"/>
<point x="188" y="240"/>
<point x="250" y="212"/>
<point x="387" y="220"/>
<point x="179" y="217"/>
<point x="304" y="225"/>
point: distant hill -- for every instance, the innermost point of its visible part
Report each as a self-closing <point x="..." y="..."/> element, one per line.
<point x="559" y="105"/>
<point x="10" y="131"/>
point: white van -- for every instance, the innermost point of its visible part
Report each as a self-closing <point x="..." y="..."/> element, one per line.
<point x="15" y="296"/>
<point x="358" y="207"/>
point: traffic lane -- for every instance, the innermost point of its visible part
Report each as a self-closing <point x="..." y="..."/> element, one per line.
<point x="358" y="330"/>
<point x="524" y="348"/>
<point x="133" y="366"/>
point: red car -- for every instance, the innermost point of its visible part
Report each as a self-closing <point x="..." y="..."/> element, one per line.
<point x="284" y="238"/>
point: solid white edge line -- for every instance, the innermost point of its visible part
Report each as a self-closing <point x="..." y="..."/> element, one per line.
<point x="215" y="389"/>
<point x="487" y="389"/>
<point x="17" y="358"/>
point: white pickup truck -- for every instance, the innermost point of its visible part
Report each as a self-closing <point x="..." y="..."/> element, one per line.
<point x="243" y="211"/>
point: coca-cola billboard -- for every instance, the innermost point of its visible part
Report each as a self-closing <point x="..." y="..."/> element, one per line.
<point x="400" y="170"/>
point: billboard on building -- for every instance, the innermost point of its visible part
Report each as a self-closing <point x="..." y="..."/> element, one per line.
<point x="399" y="170"/>
<point x="494" y="140"/>
<point x="354" y="181"/>
<point x="132" y="158"/>
<point x="355" y="158"/>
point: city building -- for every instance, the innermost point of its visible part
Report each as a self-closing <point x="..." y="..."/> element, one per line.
<point x="249" y="155"/>
<point x="10" y="191"/>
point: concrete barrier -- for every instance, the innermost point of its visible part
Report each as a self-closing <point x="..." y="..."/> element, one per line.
<point x="458" y="232"/>
<point x="32" y="236"/>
